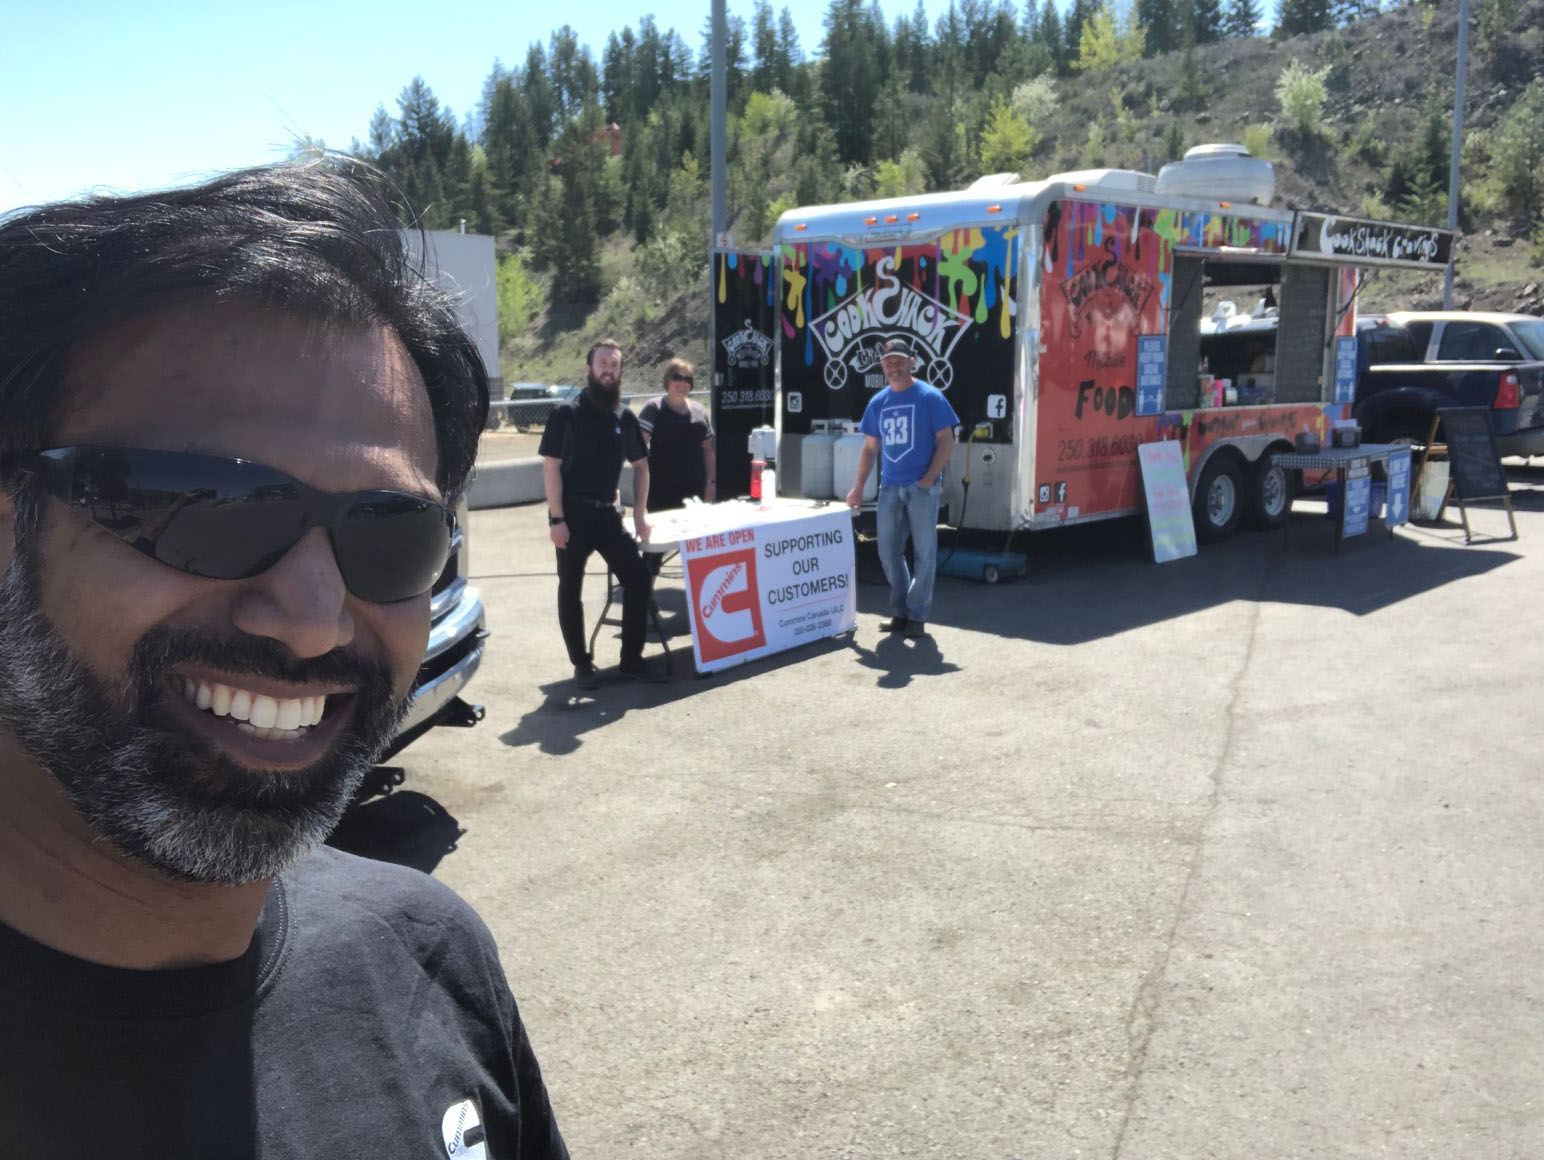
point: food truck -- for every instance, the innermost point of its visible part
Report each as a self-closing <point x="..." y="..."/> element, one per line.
<point x="1062" y="319"/>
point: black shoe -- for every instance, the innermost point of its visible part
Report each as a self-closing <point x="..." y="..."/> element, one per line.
<point x="916" y="628"/>
<point x="894" y="624"/>
<point x="586" y="676"/>
<point x="641" y="670"/>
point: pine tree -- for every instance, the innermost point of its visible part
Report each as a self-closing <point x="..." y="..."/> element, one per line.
<point x="1007" y="140"/>
<point x="1207" y="21"/>
<point x="789" y="78"/>
<point x="1242" y="19"/>
<point x="1298" y="16"/>
<point x="1051" y="34"/>
<point x="763" y="47"/>
<point x="539" y="100"/>
<point x="1078" y="16"/>
<point x="1158" y="18"/>
<point x="849" y="78"/>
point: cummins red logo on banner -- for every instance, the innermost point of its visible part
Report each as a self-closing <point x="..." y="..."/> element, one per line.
<point x="781" y="578"/>
<point x="727" y="602"/>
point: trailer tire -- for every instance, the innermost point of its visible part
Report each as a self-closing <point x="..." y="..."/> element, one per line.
<point x="1270" y="493"/>
<point x="1219" y="501"/>
<point x="990" y="574"/>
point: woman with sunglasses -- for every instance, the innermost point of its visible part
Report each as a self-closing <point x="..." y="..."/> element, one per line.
<point x="679" y="435"/>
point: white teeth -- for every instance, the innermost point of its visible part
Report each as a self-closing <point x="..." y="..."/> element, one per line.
<point x="265" y="712"/>
<point x="241" y="704"/>
<point x="281" y="717"/>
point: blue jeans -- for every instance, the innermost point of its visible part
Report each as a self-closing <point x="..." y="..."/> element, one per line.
<point x="902" y="510"/>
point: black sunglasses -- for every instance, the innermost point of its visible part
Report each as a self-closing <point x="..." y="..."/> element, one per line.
<point x="229" y="519"/>
<point x="678" y="377"/>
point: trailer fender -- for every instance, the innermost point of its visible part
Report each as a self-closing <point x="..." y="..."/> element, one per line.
<point x="1244" y="448"/>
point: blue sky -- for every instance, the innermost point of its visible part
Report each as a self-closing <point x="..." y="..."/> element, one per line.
<point x="140" y="94"/>
<point x="129" y="95"/>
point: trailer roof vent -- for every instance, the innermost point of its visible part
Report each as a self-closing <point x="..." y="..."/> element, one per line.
<point x="995" y="181"/>
<point x="1225" y="172"/>
<point x="1126" y="179"/>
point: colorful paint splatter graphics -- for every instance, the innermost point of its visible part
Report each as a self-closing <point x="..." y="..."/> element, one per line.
<point x="744" y="312"/>
<point x="952" y="298"/>
<point x="1108" y="280"/>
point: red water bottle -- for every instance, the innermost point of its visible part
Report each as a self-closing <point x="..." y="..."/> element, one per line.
<point x="757" y="467"/>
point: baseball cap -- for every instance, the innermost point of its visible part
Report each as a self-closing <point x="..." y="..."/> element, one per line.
<point x="895" y="346"/>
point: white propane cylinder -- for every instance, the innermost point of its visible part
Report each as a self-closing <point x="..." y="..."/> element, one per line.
<point x="817" y="464"/>
<point x="762" y="443"/>
<point x="845" y="474"/>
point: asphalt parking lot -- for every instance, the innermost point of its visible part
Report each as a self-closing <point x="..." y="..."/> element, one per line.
<point x="1235" y="857"/>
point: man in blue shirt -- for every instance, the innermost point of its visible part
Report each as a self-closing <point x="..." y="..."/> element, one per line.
<point x="910" y="428"/>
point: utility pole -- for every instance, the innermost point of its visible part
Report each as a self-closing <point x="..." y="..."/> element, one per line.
<point x="719" y="100"/>
<point x="1458" y="137"/>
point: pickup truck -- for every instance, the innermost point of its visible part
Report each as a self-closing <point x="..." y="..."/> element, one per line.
<point x="1411" y="363"/>
<point x="456" y="635"/>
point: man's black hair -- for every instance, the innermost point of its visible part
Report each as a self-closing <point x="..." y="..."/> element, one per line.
<point x="318" y="239"/>
<point x="589" y="358"/>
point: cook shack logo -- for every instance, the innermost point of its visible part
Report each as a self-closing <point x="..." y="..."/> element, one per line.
<point x="727" y="601"/>
<point x="1107" y="285"/>
<point x="850" y="332"/>
<point x="748" y="347"/>
<point x="1386" y="240"/>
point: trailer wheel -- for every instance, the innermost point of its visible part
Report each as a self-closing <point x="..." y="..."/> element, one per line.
<point x="1270" y="493"/>
<point x="1218" y="506"/>
<point x="990" y="574"/>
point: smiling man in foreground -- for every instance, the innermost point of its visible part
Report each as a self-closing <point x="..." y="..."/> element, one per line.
<point x="233" y="423"/>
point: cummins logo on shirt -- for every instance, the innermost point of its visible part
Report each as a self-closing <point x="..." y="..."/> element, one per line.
<point x="851" y="331"/>
<point x="462" y="1129"/>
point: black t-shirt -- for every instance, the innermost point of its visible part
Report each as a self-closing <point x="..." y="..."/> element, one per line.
<point x="676" y="469"/>
<point x="591" y="443"/>
<point x="369" y="1018"/>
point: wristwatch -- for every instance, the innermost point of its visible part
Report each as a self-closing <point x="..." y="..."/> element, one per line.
<point x="554" y="521"/>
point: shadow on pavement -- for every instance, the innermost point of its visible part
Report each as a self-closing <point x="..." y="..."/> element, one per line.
<point x="1084" y="583"/>
<point x="1093" y="581"/>
<point x="558" y="725"/>
<point x="404" y="826"/>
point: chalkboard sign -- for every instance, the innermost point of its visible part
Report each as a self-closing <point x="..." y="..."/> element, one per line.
<point x="1471" y="444"/>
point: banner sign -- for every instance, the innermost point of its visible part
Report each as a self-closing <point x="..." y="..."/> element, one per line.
<point x="1372" y="242"/>
<point x="1345" y="370"/>
<point x="1357" y="501"/>
<point x="1169" y="517"/>
<point x="766" y="586"/>
<point x="1397" y="503"/>
<point x="1152" y="360"/>
<point x="744" y="304"/>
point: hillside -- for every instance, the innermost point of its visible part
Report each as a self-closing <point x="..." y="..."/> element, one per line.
<point x="1387" y="88"/>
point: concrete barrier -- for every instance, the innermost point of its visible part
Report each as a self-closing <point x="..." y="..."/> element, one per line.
<point x="517" y="481"/>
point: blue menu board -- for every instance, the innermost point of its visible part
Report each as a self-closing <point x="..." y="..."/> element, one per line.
<point x="1152" y="356"/>
<point x="1357" y="502"/>
<point x="1397" y="510"/>
<point x="1345" y="370"/>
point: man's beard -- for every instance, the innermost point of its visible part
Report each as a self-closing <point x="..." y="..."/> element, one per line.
<point x="605" y="396"/>
<point x="145" y="784"/>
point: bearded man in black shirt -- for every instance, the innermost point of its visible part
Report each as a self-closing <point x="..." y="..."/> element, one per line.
<point x="234" y="420"/>
<point x="582" y="449"/>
